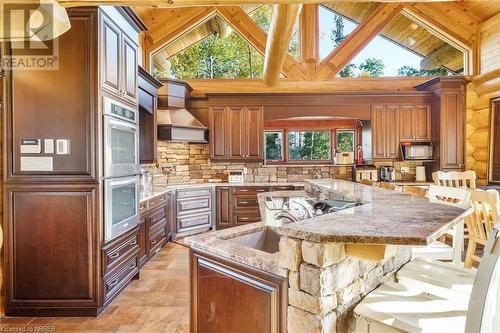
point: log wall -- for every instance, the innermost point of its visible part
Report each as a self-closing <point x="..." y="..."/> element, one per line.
<point x="479" y="94"/>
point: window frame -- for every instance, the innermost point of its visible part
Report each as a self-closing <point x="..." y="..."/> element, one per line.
<point x="282" y="144"/>
<point x="285" y="145"/>
<point x="355" y="134"/>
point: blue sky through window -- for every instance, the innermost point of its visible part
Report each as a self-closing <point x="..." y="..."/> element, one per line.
<point x="394" y="56"/>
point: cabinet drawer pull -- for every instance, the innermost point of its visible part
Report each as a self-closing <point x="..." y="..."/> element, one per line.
<point x="133" y="241"/>
<point x="260" y="190"/>
<point x="132" y="265"/>
<point x="114" y="255"/>
<point x="244" y="218"/>
<point x="153" y="241"/>
<point x="152" y="220"/>
<point x="243" y="202"/>
<point x="113" y="283"/>
<point x="243" y="190"/>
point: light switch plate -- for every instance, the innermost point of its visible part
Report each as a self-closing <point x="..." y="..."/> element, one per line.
<point x="48" y="146"/>
<point x="405" y="169"/>
<point x="62" y="147"/>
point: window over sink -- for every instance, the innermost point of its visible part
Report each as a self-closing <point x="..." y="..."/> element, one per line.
<point x="297" y="141"/>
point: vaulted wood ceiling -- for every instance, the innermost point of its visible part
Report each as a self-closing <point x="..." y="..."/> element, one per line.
<point x="453" y="25"/>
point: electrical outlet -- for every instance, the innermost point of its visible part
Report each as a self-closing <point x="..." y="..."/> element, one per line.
<point x="405" y="169"/>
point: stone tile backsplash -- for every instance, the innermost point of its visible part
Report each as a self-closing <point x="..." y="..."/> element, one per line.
<point x="189" y="162"/>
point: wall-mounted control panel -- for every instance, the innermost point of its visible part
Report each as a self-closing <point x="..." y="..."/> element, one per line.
<point x="35" y="146"/>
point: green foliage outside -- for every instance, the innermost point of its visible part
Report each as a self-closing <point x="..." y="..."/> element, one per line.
<point x="345" y="140"/>
<point x="309" y="145"/>
<point x="274" y="146"/>
<point x="373" y="67"/>
<point x="214" y="58"/>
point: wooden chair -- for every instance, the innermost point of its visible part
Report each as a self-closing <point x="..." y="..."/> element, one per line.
<point x="388" y="186"/>
<point x="458" y="197"/>
<point x="440" y="307"/>
<point x="480" y="223"/>
<point x="368" y="182"/>
<point x="415" y="191"/>
<point x="455" y="179"/>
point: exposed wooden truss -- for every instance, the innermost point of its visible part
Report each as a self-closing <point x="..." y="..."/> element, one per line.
<point x="193" y="3"/>
<point x="357" y="40"/>
<point x="281" y="30"/>
<point x="448" y="20"/>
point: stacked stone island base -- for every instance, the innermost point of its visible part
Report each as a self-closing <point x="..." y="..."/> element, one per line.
<point x="325" y="285"/>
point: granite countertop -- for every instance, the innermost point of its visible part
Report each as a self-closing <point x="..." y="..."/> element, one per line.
<point x="219" y="243"/>
<point x="157" y="190"/>
<point x="385" y="217"/>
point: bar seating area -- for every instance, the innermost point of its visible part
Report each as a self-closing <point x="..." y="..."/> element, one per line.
<point x="436" y="291"/>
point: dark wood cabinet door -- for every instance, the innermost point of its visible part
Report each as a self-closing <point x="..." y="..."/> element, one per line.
<point x="147" y="127"/>
<point x="218" y="133"/>
<point x="111" y="57"/>
<point x="452" y="130"/>
<point x="378" y="129"/>
<point x="228" y="297"/>
<point x="406" y="131"/>
<point x="223" y="211"/>
<point x="52" y="246"/>
<point x="129" y="69"/>
<point x="392" y="131"/>
<point x="422" y="123"/>
<point x="56" y="104"/>
<point x="237" y="133"/>
<point x="254" y="136"/>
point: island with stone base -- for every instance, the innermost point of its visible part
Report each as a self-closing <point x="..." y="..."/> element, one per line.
<point x="307" y="276"/>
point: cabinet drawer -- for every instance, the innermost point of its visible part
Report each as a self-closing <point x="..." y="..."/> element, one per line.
<point x="246" y="217"/>
<point x="117" y="281"/>
<point x="245" y="201"/>
<point x="197" y="192"/>
<point x="250" y="189"/>
<point x="189" y="204"/>
<point x="157" y="216"/>
<point x="116" y="253"/>
<point x="157" y="201"/>
<point x="156" y="240"/>
<point x="194" y="220"/>
<point x="283" y="188"/>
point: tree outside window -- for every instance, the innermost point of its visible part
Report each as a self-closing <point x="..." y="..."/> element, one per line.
<point x="346" y="140"/>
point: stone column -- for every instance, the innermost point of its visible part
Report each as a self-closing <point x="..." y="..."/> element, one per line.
<point x="325" y="285"/>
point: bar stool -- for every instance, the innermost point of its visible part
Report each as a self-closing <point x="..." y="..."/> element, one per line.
<point x="479" y="224"/>
<point x="458" y="197"/>
<point x="398" y="307"/>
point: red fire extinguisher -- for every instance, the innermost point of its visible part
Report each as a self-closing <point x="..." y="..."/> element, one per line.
<point x="359" y="155"/>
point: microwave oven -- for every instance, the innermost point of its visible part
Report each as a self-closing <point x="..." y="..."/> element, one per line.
<point x="418" y="152"/>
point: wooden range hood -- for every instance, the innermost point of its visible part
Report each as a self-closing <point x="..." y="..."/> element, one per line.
<point x="175" y="122"/>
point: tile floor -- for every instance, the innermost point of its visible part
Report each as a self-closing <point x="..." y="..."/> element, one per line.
<point x="158" y="302"/>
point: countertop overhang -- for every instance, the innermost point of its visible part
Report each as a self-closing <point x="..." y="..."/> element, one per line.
<point x="385" y="217"/>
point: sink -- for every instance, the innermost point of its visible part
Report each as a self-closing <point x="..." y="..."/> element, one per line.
<point x="265" y="240"/>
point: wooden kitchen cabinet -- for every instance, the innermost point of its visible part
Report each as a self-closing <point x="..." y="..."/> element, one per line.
<point x="148" y="108"/>
<point x="242" y="299"/>
<point x="119" y="60"/>
<point x="239" y="205"/>
<point x="236" y="133"/>
<point x="385" y="131"/>
<point x="155" y="228"/>
<point x="51" y="263"/>
<point x="448" y="122"/>
<point x="415" y="122"/>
